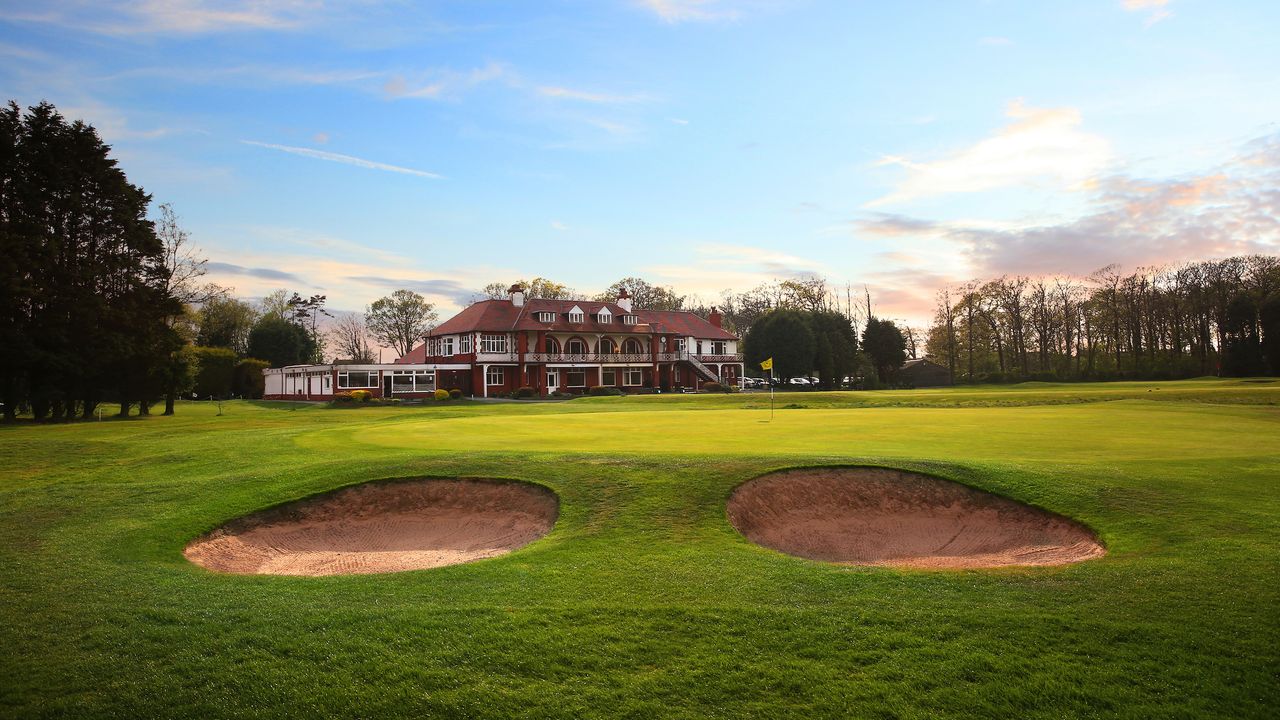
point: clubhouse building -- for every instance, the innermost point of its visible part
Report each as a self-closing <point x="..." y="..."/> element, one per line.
<point x="494" y="347"/>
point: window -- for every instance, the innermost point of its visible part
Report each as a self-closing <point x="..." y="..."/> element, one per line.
<point x="551" y="346"/>
<point x="326" y="381"/>
<point x="552" y="381"/>
<point x="464" y="343"/>
<point x="609" y="377"/>
<point x="604" y="316"/>
<point x="633" y="377"/>
<point x="493" y="376"/>
<point x="717" y="347"/>
<point x="576" y="315"/>
<point x="408" y="381"/>
<point x="446" y="346"/>
<point x="576" y="346"/>
<point x="493" y="343"/>
<point x="357" y="379"/>
<point x="680" y="344"/>
<point x="546" y="317"/>
<point x="632" y="347"/>
<point x="628" y="319"/>
<point x="575" y="378"/>
<point x="608" y="346"/>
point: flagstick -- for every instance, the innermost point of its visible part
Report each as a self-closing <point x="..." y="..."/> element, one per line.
<point x="771" y="392"/>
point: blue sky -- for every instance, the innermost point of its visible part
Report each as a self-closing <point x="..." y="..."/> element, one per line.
<point x="355" y="148"/>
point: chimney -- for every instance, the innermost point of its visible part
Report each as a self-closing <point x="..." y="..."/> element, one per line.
<point x="714" y="317"/>
<point x="517" y="294"/>
<point x="624" y="299"/>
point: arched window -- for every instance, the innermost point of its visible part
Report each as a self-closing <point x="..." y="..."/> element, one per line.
<point x="575" y="346"/>
<point x="632" y="347"/>
<point x="608" y="346"/>
<point x="551" y="346"/>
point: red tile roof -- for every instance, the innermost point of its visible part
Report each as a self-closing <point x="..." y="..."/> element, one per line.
<point x="502" y="316"/>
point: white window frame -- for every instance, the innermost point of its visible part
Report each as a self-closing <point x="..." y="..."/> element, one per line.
<point x="446" y="346"/>
<point x="553" y="379"/>
<point x="629" y="319"/>
<point x="568" y="375"/>
<point x="494" y="375"/>
<point x="464" y="344"/>
<point x="604" y="316"/>
<point x="494" y="343"/>
<point x="568" y="344"/>
<point x="627" y="377"/>
<point x="680" y="344"/>
<point x="344" y="379"/>
<point x="718" y="347"/>
<point x="546" y="317"/>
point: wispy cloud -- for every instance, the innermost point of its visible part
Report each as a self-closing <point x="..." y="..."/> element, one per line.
<point x="1156" y="10"/>
<point x="557" y="225"/>
<point x="186" y="17"/>
<point x="1039" y="143"/>
<point x="345" y="159"/>
<point x="564" y="93"/>
<point x="222" y="268"/>
<point x="678" y="11"/>
<point x="444" y="82"/>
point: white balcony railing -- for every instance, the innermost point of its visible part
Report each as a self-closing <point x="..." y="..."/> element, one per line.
<point x="561" y="357"/>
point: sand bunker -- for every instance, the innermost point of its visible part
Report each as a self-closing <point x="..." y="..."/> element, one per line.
<point x="382" y="527"/>
<point x="873" y="516"/>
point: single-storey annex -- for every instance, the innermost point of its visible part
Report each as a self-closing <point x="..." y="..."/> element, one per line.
<point x="496" y="346"/>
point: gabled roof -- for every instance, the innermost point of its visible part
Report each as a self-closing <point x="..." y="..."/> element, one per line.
<point x="503" y="316"/>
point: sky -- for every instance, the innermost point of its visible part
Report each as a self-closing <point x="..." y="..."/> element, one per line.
<point x="354" y="148"/>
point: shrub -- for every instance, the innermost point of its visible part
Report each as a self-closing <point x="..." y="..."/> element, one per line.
<point x="715" y="387"/>
<point x="455" y="393"/>
<point x="442" y="394"/>
<point x="604" y="390"/>
<point x="216" y="368"/>
<point x="524" y="393"/>
<point x="247" y="380"/>
<point x="361" y="395"/>
<point x="343" y="397"/>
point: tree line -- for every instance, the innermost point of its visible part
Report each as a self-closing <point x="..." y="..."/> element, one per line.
<point x="1219" y="317"/>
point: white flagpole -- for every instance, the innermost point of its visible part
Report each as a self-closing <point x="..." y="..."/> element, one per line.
<point x="770" y="392"/>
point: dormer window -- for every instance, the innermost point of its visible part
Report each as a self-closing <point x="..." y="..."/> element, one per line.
<point x="604" y="316"/>
<point x="576" y="315"/>
<point x="546" y="317"/>
<point x="629" y="319"/>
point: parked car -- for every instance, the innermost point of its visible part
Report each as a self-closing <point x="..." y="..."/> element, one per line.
<point x="800" y="383"/>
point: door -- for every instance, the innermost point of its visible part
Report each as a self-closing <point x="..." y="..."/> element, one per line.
<point x="553" y="381"/>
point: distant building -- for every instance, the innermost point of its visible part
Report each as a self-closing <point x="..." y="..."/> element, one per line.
<point x="497" y="346"/>
<point x="923" y="373"/>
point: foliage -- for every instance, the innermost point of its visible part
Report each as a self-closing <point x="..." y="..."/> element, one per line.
<point x="306" y="312"/>
<point x="715" y="387"/>
<point x="226" y="322"/>
<point x="248" y="381"/>
<point x="1269" y="323"/>
<point x="361" y="395"/>
<point x="280" y="342"/>
<point x="455" y="393"/>
<point x="343" y="396"/>
<point x="215" y="374"/>
<point x="644" y="295"/>
<point x="787" y="337"/>
<point x="605" y="390"/>
<point x="885" y="346"/>
<point x="400" y="320"/>
<point x="442" y="394"/>
<point x="85" y="309"/>
<point x="524" y="393"/>
<point x="835" y="347"/>
<point x="537" y="288"/>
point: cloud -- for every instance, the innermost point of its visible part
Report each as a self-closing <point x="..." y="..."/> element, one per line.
<point x="1231" y="209"/>
<point x="454" y="291"/>
<point x="1038" y="144"/>
<point x="444" y="83"/>
<point x="557" y="225"/>
<point x="1157" y="9"/>
<point x="678" y="121"/>
<point x="564" y="93"/>
<point x="678" y="11"/>
<point x="345" y="159"/>
<point x="221" y="268"/>
<point x="184" y="17"/>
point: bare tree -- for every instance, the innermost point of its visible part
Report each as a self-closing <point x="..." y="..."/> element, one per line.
<point x="349" y="339"/>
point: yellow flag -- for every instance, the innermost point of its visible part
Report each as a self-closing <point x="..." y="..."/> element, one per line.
<point x="767" y="364"/>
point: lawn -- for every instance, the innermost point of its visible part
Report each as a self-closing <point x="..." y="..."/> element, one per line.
<point x="643" y="601"/>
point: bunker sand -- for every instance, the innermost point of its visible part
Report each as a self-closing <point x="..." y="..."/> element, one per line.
<point x="382" y="527"/>
<point x="875" y="516"/>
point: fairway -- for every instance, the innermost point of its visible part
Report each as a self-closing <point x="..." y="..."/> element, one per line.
<point x="643" y="601"/>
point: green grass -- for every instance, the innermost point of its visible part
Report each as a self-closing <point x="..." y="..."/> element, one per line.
<point x="644" y="602"/>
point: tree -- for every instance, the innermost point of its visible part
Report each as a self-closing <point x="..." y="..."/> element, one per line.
<point x="85" y="306"/>
<point x="400" y="320"/>
<point x="835" y="347"/>
<point x="350" y="339"/>
<point x="644" y="296"/>
<point x="787" y="337"/>
<point x="225" y="322"/>
<point x="535" y="289"/>
<point x="216" y="369"/>
<point x="884" y="343"/>
<point x="1269" y="315"/>
<point x="247" y="380"/>
<point x="275" y="304"/>
<point x="1242" y="354"/>
<point x="306" y="312"/>
<point x="280" y="342"/>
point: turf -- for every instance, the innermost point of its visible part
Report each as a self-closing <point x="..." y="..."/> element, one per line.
<point x="644" y="602"/>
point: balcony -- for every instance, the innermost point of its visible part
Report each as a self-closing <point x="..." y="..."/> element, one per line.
<point x="689" y="357"/>
<point x="544" y="357"/>
<point x="492" y="357"/>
